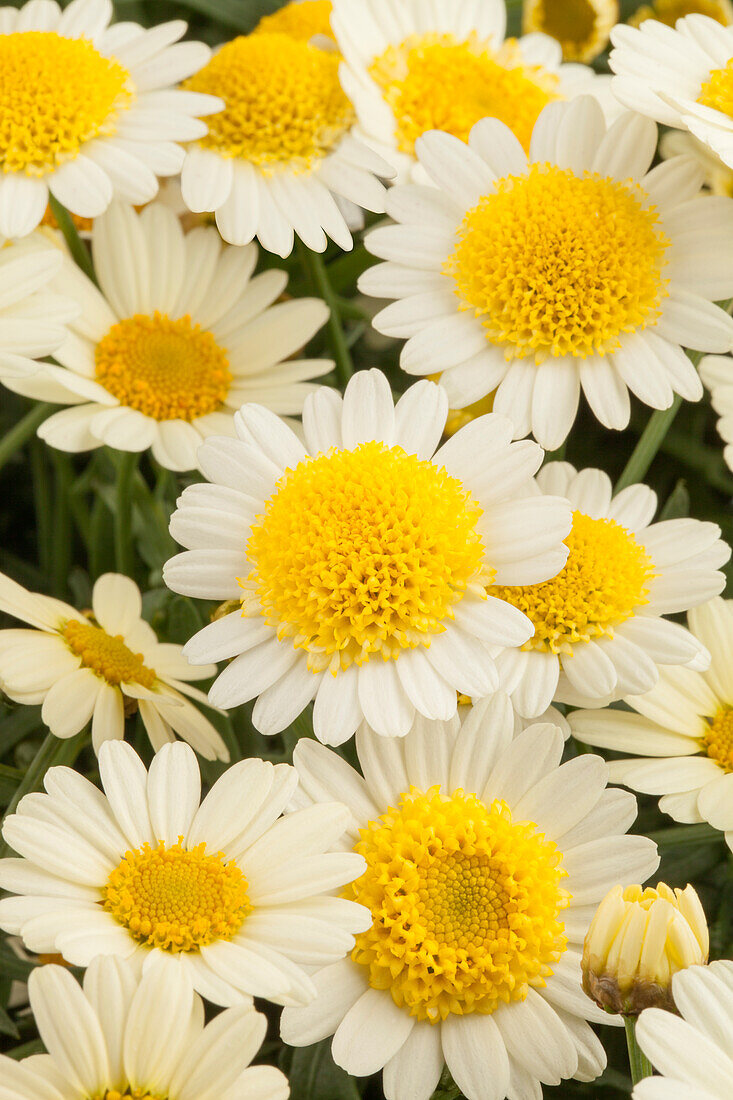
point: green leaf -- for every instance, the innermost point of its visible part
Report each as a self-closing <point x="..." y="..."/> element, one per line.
<point x="315" y="1076"/>
<point x="9" y="781"/>
<point x="242" y="15"/>
<point x="678" y="502"/>
<point x="7" y="1027"/>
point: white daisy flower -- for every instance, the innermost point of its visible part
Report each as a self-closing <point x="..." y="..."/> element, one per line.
<point x="681" y="76"/>
<point x="576" y="269"/>
<point x="669" y="11"/>
<point x="582" y="29"/>
<point x="485" y="862"/>
<point x="693" y="1053"/>
<point x="684" y="729"/>
<point x="176" y="339"/>
<point x="361" y="558"/>
<point x="411" y="68"/>
<point x="716" y="372"/>
<point x="279" y="158"/>
<point x="89" y="111"/>
<point x="717" y="176"/>
<point x="101" y="665"/>
<point x="241" y="900"/>
<point x="122" y="1036"/>
<point x="33" y="319"/>
<point x="600" y="630"/>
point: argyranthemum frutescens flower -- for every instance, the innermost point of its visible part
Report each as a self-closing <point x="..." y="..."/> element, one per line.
<point x="485" y="862"/>
<point x="97" y="665"/>
<point x="716" y="372"/>
<point x="33" y="319"/>
<point x="241" y="899"/>
<point x="694" y="1054"/>
<point x="582" y="27"/>
<point x="600" y="630"/>
<point x="579" y="269"/>
<point x="682" y="77"/>
<point x="362" y="558"/>
<point x="121" y="1036"/>
<point x="89" y="111"/>
<point x="178" y="338"/>
<point x="684" y="728"/>
<point x="669" y="11"/>
<point x="278" y="157"/>
<point x="413" y="68"/>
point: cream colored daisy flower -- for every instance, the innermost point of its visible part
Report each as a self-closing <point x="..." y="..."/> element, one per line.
<point x="490" y="859"/>
<point x="101" y="665"/>
<point x="669" y="11"/>
<point x="89" y="111"/>
<point x="716" y="372"/>
<point x="176" y="338"/>
<point x="682" y="77"/>
<point x="411" y="68"/>
<point x="576" y="269"/>
<point x="693" y="1050"/>
<point x="361" y="558"/>
<point x="241" y="901"/>
<point x="33" y="318"/>
<point x="600" y="626"/>
<point x="122" y="1036"/>
<point x="582" y="27"/>
<point x="682" y="732"/>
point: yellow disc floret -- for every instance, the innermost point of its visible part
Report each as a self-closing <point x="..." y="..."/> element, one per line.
<point x="669" y="11"/>
<point x="284" y="103"/>
<point x="107" y="655"/>
<point x="605" y="579"/>
<point x="300" y="19"/>
<point x="556" y="264"/>
<point x="177" y="900"/>
<point x="581" y="27"/>
<point x="717" y="92"/>
<point x="129" y="1094"/>
<point x="363" y="552"/>
<point x="718" y="739"/>
<point x="169" y="370"/>
<point x="435" y="82"/>
<point x="56" y="94"/>
<point x="465" y="903"/>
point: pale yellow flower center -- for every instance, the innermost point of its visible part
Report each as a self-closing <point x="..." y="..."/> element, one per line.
<point x="107" y="655"/>
<point x="580" y="26"/>
<point x="717" y="92"/>
<point x="718" y="739"/>
<point x="669" y="11"/>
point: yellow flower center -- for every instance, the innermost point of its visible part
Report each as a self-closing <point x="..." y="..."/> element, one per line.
<point x="580" y="26"/>
<point x="605" y="579"/>
<point x="435" y="82"/>
<point x="301" y="19"/>
<point x="169" y="370"/>
<point x="718" y="91"/>
<point x="284" y="103"/>
<point x="363" y="552"/>
<point x="56" y="94"/>
<point x="107" y="655"/>
<point x="465" y="903"/>
<point x="129" y="1094"/>
<point x="557" y="264"/>
<point x="718" y="740"/>
<point x="177" y="900"/>
<point x="669" y="11"/>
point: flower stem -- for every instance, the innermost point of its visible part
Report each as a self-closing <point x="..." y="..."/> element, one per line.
<point x="126" y="469"/>
<point x="638" y="1062"/>
<point x="21" y="432"/>
<point x="53" y="750"/>
<point x="77" y="248"/>
<point x="318" y="277"/>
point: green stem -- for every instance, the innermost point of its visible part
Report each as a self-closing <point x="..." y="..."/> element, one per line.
<point x="645" y="450"/>
<point x="61" y="559"/>
<point x="639" y="1064"/>
<point x="54" y="750"/>
<point x="318" y="277"/>
<point x="126" y="469"/>
<point x="79" y="251"/>
<point x="21" y="432"/>
<point x="685" y="834"/>
<point x="42" y="504"/>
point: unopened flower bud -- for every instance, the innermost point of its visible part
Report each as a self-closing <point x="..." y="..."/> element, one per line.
<point x="636" y="941"/>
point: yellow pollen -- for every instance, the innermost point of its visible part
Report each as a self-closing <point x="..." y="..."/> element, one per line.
<point x="129" y="1094"/>
<point x="435" y="82"/>
<point x="300" y="19"/>
<point x="84" y="225"/>
<point x="107" y="655"/>
<point x="177" y="900"/>
<point x="465" y="902"/>
<point x="718" y="740"/>
<point x="56" y="94"/>
<point x="555" y="264"/>
<point x="363" y="552"/>
<point x="284" y="103"/>
<point x="605" y="579"/>
<point x="717" y="93"/>
<point x="581" y="27"/>
<point x="669" y="11"/>
<point x="169" y="370"/>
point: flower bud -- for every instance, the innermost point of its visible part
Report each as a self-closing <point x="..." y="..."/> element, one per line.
<point x="636" y="941"/>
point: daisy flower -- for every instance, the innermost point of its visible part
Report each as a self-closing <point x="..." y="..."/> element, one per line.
<point x="600" y="630"/>
<point x="682" y="77"/>
<point x="669" y="11"/>
<point x="582" y="27"/>
<point x="101" y="665"/>
<point x="89" y="111"/>
<point x="693" y="1053"/>
<point x="33" y="319"/>
<point x="241" y="900"/>
<point x="120" y="1035"/>
<point x="278" y="158"/>
<point x="574" y="269"/>
<point x="681" y="733"/>
<point x="716" y="372"/>
<point x="489" y="859"/>
<point x="411" y="68"/>
<point x="718" y="177"/>
<point x="361" y="558"/>
<point x="177" y="337"/>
